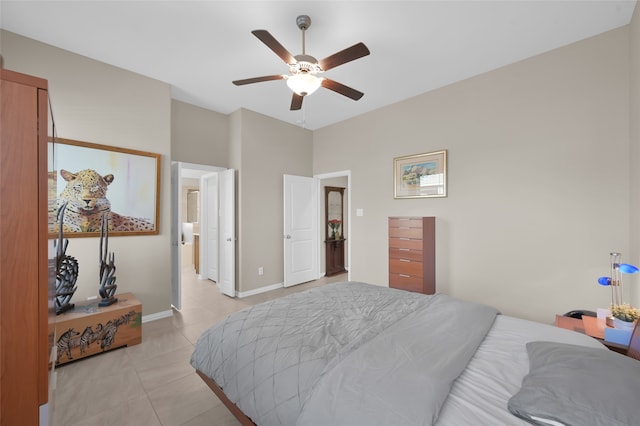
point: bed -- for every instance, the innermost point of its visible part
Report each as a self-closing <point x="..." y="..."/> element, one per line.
<point x="353" y="353"/>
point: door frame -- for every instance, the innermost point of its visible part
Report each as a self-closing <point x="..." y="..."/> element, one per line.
<point x="174" y="238"/>
<point x="227" y="236"/>
<point x="320" y="177"/>
<point x="176" y="221"/>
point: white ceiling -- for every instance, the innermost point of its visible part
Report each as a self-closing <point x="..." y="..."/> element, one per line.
<point x="199" y="47"/>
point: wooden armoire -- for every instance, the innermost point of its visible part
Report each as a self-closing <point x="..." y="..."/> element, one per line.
<point x="25" y="300"/>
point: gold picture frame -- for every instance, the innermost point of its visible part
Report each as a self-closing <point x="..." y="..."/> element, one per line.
<point x="95" y="179"/>
<point x="420" y="175"/>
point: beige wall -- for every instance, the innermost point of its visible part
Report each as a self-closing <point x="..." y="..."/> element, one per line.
<point x="198" y="135"/>
<point x="98" y="103"/>
<point x="539" y="172"/>
<point x="538" y="178"/>
<point x="634" y="134"/>
<point x="268" y="149"/>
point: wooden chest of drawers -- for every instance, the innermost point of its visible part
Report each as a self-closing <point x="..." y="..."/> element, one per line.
<point x="412" y="254"/>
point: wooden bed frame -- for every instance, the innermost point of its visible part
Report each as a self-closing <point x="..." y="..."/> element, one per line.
<point x="244" y="420"/>
<point x="634" y="343"/>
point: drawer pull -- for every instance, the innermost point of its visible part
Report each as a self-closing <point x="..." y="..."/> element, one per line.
<point x="405" y="239"/>
<point x="404" y="249"/>
<point x="405" y="275"/>
<point x="405" y="260"/>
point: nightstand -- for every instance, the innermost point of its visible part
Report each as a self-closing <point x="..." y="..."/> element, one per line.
<point x="579" y="325"/>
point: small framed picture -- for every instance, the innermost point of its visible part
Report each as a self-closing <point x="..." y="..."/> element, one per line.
<point x="420" y="175"/>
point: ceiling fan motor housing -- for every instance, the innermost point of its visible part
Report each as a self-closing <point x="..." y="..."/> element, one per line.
<point x="305" y="64"/>
<point x="303" y="22"/>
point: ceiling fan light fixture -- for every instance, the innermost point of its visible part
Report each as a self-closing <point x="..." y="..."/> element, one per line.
<point x="303" y="77"/>
<point x="304" y="84"/>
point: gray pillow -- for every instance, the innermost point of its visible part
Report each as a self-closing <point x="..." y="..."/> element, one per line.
<point x="577" y="386"/>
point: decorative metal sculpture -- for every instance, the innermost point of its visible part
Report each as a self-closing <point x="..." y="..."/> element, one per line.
<point x="66" y="269"/>
<point x="107" y="268"/>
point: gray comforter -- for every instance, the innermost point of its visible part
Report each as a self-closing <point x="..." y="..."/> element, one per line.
<point x="343" y="354"/>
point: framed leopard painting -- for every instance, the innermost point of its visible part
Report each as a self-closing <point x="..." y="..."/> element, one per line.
<point x="98" y="180"/>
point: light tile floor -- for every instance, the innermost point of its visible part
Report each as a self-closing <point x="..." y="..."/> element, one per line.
<point x="153" y="383"/>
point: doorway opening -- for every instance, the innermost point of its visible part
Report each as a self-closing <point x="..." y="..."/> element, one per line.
<point x="188" y="212"/>
<point x="306" y="243"/>
<point x="337" y="179"/>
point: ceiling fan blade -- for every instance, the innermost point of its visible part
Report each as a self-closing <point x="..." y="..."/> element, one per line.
<point x="342" y="57"/>
<point x="258" y="79"/>
<point x="296" y="102"/>
<point x="273" y="44"/>
<point x="342" y="89"/>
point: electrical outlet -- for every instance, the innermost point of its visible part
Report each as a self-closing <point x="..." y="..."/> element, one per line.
<point x="260" y="270"/>
<point x="92" y="297"/>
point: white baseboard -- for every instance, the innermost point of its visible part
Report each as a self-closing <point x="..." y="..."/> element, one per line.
<point x="242" y="294"/>
<point x="239" y="294"/>
<point x="157" y="316"/>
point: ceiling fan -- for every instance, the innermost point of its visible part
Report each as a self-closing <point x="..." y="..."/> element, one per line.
<point x="303" y="76"/>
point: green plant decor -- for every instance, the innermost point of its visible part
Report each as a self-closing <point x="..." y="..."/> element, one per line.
<point x="625" y="312"/>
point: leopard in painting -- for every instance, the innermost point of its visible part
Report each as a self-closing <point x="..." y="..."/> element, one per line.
<point x="86" y="194"/>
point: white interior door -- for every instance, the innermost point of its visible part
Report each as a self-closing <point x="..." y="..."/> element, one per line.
<point x="176" y="221"/>
<point x="300" y="229"/>
<point x="209" y="189"/>
<point x="226" y="185"/>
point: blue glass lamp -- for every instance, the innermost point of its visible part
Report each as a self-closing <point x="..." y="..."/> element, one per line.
<point x="625" y="268"/>
<point x="615" y="280"/>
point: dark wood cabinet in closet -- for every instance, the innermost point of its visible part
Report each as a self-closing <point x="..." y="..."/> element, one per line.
<point x="335" y="257"/>
<point x="412" y="254"/>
